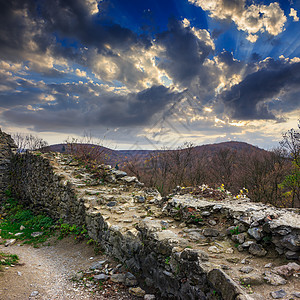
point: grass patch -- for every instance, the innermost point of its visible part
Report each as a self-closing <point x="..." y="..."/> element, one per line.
<point x="16" y="217"/>
<point x="8" y="259"/>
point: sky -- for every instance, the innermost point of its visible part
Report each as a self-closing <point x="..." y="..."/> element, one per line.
<point x="150" y="74"/>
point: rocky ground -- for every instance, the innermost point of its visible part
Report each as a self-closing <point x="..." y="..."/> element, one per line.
<point x="63" y="271"/>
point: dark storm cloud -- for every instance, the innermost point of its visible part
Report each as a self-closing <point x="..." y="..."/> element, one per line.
<point x="251" y="99"/>
<point x="109" y="109"/>
<point x="34" y="27"/>
<point x="184" y="52"/>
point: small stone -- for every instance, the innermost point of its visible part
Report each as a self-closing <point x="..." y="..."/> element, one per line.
<point x="269" y="265"/>
<point x="140" y="199"/>
<point x="296" y="294"/>
<point x="22" y="227"/>
<point x="233" y="260"/>
<point x="292" y="255"/>
<point x="239" y="238"/>
<point x="19" y="273"/>
<point x="229" y="250"/>
<point x="19" y="233"/>
<point x="247" y="244"/>
<point x="257" y="250"/>
<point x="98" y="264"/>
<point x="130" y="279"/>
<point x="36" y="234"/>
<point x="246" y="270"/>
<point x="118" y="278"/>
<point x="149" y="297"/>
<point x="34" y="293"/>
<point x="240" y="248"/>
<point x="10" y="242"/>
<point x="256" y="233"/>
<point x="205" y="214"/>
<point x="111" y="203"/>
<point x="210" y="232"/>
<point x="137" y="291"/>
<point x="287" y="270"/>
<point x="225" y="267"/>
<point x="278" y="294"/>
<point x="254" y="279"/>
<point x="212" y="222"/>
<point x="274" y="279"/>
<point x="164" y="224"/>
<point x="101" y="276"/>
<point x="217" y="207"/>
<point x="214" y="249"/>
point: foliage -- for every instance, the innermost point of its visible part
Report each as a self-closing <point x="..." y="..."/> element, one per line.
<point x="8" y="259"/>
<point x="65" y="229"/>
<point x="17" y="216"/>
<point x="291" y="182"/>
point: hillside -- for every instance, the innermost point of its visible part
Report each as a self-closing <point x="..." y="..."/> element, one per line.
<point x="121" y="156"/>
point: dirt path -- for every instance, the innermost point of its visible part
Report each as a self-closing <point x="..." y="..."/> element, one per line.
<point x="48" y="270"/>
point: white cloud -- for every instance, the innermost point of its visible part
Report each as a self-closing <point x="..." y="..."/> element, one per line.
<point x="251" y="19"/>
<point x="293" y="14"/>
<point x="80" y="73"/>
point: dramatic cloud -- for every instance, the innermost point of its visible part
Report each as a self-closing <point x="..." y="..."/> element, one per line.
<point x="252" y="98"/>
<point x="73" y="65"/>
<point x="251" y="19"/>
<point x="84" y="105"/>
<point x="184" y="51"/>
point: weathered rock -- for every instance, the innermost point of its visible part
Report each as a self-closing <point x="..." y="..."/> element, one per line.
<point x="292" y="242"/>
<point x="296" y="294"/>
<point x="254" y="279"/>
<point x="137" y="291"/>
<point x="233" y="260"/>
<point x="37" y="234"/>
<point x="149" y="297"/>
<point x="257" y="250"/>
<point x="246" y="270"/>
<point x="239" y="238"/>
<point x="214" y="249"/>
<point x="98" y="264"/>
<point x="274" y="279"/>
<point x="292" y="255"/>
<point x="210" y="232"/>
<point x="118" y="278"/>
<point x="287" y="270"/>
<point x="101" y="276"/>
<point x="278" y="294"/>
<point x="10" y="242"/>
<point x="130" y="279"/>
<point x="34" y="294"/>
<point x="256" y="233"/>
<point x="247" y="244"/>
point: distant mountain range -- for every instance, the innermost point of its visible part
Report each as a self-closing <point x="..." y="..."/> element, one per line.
<point x="114" y="157"/>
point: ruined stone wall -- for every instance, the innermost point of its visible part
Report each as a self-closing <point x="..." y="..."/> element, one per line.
<point x="36" y="185"/>
<point x="7" y="148"/>
<point x="187" y="247"/>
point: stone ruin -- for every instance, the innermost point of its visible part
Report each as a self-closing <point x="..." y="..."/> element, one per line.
<point x="195" y="244"/>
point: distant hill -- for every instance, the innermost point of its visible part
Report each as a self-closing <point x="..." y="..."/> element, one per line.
<point x="114" y="157"/>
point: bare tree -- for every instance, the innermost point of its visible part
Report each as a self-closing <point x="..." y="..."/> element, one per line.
<point x="28" y="142"/>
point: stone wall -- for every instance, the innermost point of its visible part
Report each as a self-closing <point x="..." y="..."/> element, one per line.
<point x="186" y="246"/>
<point x="7" y="148"/>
